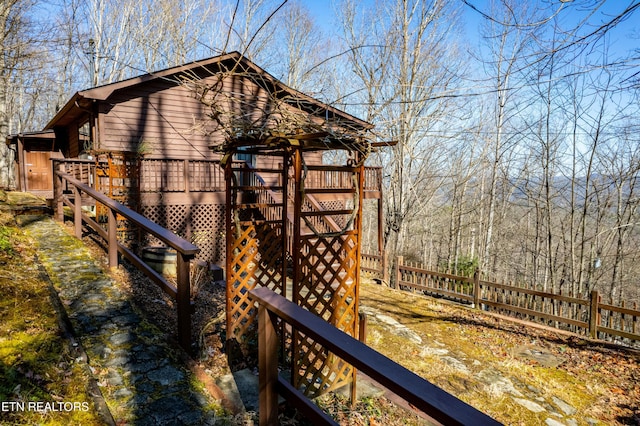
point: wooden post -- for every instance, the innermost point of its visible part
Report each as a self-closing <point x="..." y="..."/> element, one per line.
<point x="362" y="327"/>
<point x="593" y="314"/>
<point x="297" y="214"/>
<point x="380" y="216"/>
<point x="57" y="193"/>
<point x="385" y="267"/>
<point x="112" y="238"/>
<point x="399" y="260"/>
<point x="296" y="256"/>
<point x="285" y="219"/>
<point x="476" y="288"/>
<point x="77" y="212"/>
<point x="183" y="302"/>
<point x="268" y="367"/>
<point x="229" y="273"/>
<point x="185" y="174"/>
<point x="362" y="337"/>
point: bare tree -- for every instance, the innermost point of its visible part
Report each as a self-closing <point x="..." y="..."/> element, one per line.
<point x="403" y="57"/>
<point x="301" y="47"/>
<point x="621" y="163"/>
<point x="20" y="46"/>
<point x="508" y="45"/>
<point x="172" y="32"/>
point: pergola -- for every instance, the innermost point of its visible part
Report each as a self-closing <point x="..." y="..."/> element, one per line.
<point x="295" y="227"/>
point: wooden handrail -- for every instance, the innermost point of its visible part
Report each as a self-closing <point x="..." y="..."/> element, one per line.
<point x="185" y="250"/>
<point x="163" y="234"/>
<point x="420" y="393"/>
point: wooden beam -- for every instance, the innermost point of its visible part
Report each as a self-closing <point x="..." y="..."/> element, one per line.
<point x="383" y="144"/>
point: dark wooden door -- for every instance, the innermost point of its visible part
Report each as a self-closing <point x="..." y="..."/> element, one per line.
<point x="38" y="169"/>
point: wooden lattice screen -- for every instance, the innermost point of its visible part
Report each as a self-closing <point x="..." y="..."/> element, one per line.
<point x="202" y="224"/>
<point x="256" y="235"/>
<point x="327" y="285"/>
<point x="271" y="226"/>
<point x="118" y="176"/>
<point x="326" y="279"/>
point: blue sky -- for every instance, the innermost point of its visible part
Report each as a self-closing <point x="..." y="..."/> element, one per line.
<point x="623" y="38"/>
<point x="322" y="11"/>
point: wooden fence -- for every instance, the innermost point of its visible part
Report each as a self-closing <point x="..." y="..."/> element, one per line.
<point x="586" y="316"/>
<point x="375" y="266"/>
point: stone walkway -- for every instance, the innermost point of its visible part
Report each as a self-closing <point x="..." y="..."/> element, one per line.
<point x="141" y="379"/>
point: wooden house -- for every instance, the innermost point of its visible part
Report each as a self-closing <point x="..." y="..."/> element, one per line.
<point x="155" y="142"/>
<point x="33" y="152"/>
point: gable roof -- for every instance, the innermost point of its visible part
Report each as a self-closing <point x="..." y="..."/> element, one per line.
<point x="82" y="100"/>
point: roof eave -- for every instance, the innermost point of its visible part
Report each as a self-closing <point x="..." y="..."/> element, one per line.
<point x="102" y="93"/>
<point x="71" y="104"/>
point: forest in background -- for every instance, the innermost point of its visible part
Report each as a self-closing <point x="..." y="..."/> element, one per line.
<point x="516" y="123"/>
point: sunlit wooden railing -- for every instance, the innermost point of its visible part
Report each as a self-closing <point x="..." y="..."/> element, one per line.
<point x="420" y="393"/>
<point x="70" y="191"/>
<point x="579" y="314"/>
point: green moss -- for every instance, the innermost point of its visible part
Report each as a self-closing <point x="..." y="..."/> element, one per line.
<point x="5" y="240"/>
<point x="484" y="344"/>
<point x="35" y="361"/>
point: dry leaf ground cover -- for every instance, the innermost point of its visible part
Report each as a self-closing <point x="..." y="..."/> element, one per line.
<point x="482" y="359"/>
<point x="477" y="357"/>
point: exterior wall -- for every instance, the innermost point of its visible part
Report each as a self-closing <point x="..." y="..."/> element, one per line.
<point x="74" y="141"/>
<point x="188" y="198"/>
<point x="166" y="123"/>
<point x="159" y="119"/>
<point x="164" y="119"/>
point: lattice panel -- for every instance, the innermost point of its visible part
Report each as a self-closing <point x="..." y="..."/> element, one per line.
<point x="118" y="177"/>
<point x="328" y="279"/>
<point x="325" y="279"/>
<point x="256" y="261"/>
<point x="319" y="371"/>
<point x="328" y="287"/>
<point x="202" y="224"/>
<point x="341" y="220"/>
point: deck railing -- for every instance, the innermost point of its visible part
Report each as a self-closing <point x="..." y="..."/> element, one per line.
<point x="167" y="175"/>
<point x="332" y="178"/>
<point x="373" y="179"/>
<point x="420" y="393"/>
<point x="69" y="190"/>
<point x="183" y="175"/>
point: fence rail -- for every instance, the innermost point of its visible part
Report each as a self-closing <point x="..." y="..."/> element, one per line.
<point x="375" y="266"/>
<point x="70" y="191"/>
<point x="420" y="393"/>
<point x="587" y="316"/>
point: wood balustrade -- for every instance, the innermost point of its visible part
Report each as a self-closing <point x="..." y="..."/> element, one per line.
<point x="70" y="191"/>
